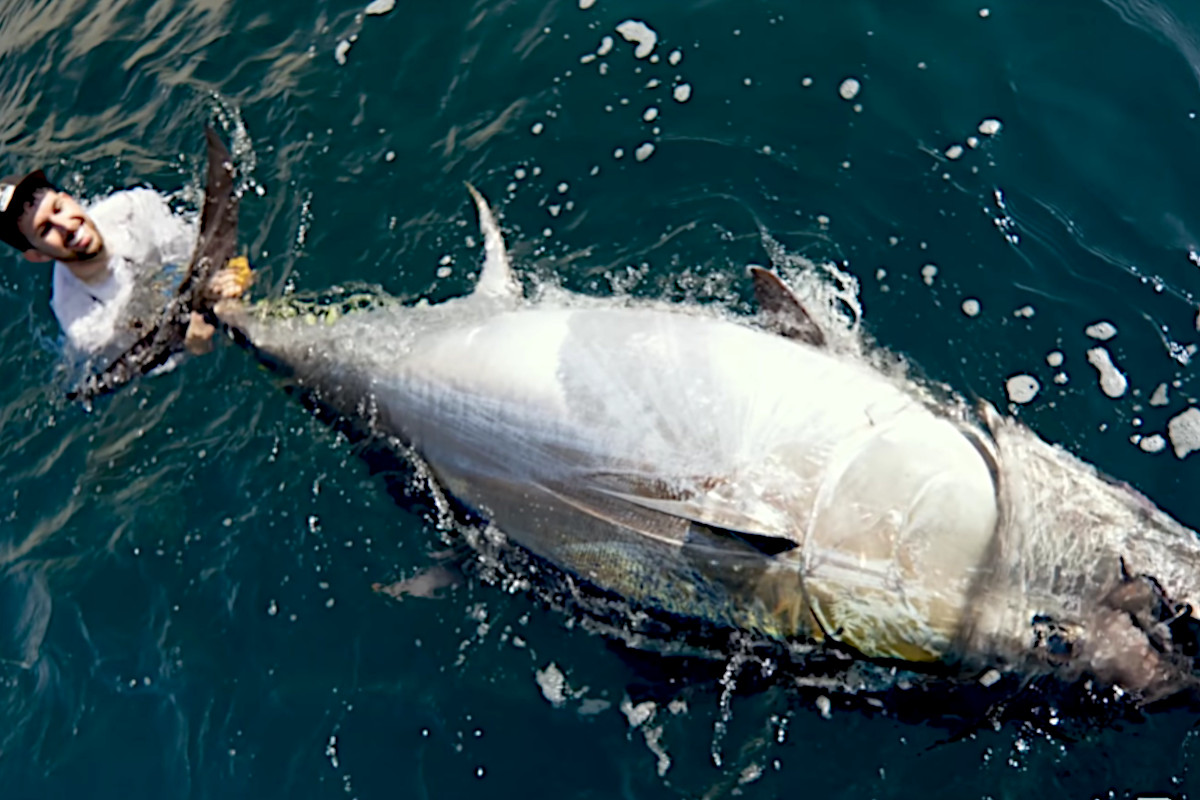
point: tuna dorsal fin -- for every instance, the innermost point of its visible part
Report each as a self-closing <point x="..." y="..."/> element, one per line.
<point x="496" y="279"/>
<point x="783" y="309"/>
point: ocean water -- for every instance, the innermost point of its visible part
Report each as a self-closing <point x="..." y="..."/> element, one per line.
<point x="186" y="570"/>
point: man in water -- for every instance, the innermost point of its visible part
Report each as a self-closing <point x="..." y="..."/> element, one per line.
<point x="116" y="263"/>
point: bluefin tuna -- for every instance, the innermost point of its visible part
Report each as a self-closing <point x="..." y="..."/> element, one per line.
<point x="742" y="472"/>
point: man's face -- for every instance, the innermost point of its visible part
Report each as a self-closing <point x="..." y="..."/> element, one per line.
<point x="58" y="227"/>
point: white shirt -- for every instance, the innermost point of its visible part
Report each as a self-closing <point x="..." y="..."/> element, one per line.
<point x="149" y="248"/>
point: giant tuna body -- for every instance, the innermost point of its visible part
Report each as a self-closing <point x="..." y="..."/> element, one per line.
<point x="750" y="477"/>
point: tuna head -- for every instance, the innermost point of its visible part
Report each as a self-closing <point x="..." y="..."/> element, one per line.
<point x="1089" y="578"/>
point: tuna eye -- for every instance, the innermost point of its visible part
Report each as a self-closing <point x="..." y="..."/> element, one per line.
<point x="1057" y="645"/>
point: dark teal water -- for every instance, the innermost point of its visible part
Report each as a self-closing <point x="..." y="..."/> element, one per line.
<point x="185" y="572"/>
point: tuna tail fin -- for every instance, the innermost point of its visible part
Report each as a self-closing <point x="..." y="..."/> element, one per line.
<point x="785" y="313"/>
<point x="496" y="279"/>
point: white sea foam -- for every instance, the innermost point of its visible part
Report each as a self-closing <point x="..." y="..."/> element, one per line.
<point x="1153" y="443"/>
<point x="553" y="684"/>
<point x="990" y="127"/>
<point x="378" y="7"/>
<point x="1101" y="331"/>
<point x="643" y="35"/>
<point x="1184" y="432"/>
<point x="1112" y="381"/>
<point x="1022" y="388"/>
<point x="639" y="714"/>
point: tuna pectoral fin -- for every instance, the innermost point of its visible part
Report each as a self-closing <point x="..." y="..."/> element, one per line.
<point x="719" y="517"/>
<point x="784" y="310"/>
<point x="647" y="556"/>
<point x="721" y="525"/>
<point x="496" y="279"/>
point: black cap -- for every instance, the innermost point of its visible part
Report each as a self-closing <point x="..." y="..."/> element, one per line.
<point x="16" y="192"/>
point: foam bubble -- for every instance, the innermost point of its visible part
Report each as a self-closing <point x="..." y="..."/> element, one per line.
<point x="1054" y="358"/>
<point x="682" y="93"/>
<point x="643" y="35"/>
<point x="1101" y="331"/>
<point x="606" y="46"/>
<point x="644" y="151"/>
<point x="928" y="273"/>
<point x="1153" y="443"/>
<point x="1184" y="432"/>
<point x="1159" y="398"/>
<point x="1022" y="388"/>
<point x="650" y="114"/>
<point x="1112" y="381"/>
<point x="990" y="127"/>
<point x="380" y="7"/>
<point x="553" y="684"/>
<point x="586" y="4"/>
<point x="339" y="52"/>
<point x="954" y="152"/>
<point x="637" y="715"/>
<point x="970" y="307"/>
<point x="849" y="88"/>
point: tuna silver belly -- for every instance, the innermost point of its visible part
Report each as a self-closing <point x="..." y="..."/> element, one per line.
<point x="886" y="508"/>
<point x="565" y="429"/>
<point x="752" y="476"/>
